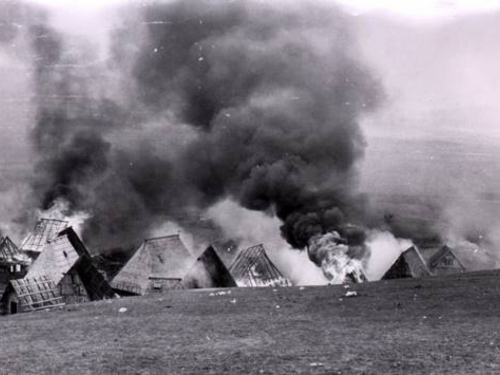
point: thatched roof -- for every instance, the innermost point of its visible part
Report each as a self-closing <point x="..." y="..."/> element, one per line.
<point x="35" y="293"/>
<point x="408" y="264"/>
<point x="446" y="257"/>
<point x="157" y="258"/>
<point x="9" y="252"/>
<point x="252" y="267"/>
<point x="65" y="254"/>
<point x="45" y="230"/>
<point x="441" y="255"/>
<point x="208" y="272"/>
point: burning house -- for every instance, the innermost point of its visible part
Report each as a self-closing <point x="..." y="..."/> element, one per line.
<point x="45" y="230"/>
<point x="336" y="258"/>
<point x="13" y="264"/>
<point x="67" y="263"/>
<point x="253" y="268"/>
<point x="158" y="264"/>
<point x="409" y="264"/>
<point x="208" y="272"/>
<point x="30" y="294"/>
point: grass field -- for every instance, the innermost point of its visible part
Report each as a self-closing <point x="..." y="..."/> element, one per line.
<point x="436" y="325"/>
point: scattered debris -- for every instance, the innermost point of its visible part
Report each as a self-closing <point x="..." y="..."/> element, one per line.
<point x="221" y="293"/>
<point x="122" y="310"/>
<point x="315" y="364"/>
<point x="301" y="288"/>
<point x="233" y="300"/>
<point x="277" y="306"/>
<point x="351" y="293"/>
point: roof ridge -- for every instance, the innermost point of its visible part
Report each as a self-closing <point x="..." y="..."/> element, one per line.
<point x="253" y="247"/>
<point x="161" y="237"/>
<point x="58" y="220"/>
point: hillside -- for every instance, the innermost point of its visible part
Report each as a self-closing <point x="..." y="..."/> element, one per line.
<point x="436" y="325"/>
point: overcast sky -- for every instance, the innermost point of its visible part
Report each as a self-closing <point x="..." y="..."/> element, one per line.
<point x="437" y="60"/>
<point x="422" y="8"/>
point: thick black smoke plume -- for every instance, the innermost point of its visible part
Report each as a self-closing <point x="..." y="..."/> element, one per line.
<point x="275" y="93"/>
<point x="254" y="101"/>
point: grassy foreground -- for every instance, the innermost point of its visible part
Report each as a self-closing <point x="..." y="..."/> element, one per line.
<point x="436" y="325"/>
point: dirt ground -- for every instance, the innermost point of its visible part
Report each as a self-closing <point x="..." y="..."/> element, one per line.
<point x="427" y="326"/>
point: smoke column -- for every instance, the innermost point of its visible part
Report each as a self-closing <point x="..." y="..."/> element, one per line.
<point x="174" y="108"/>
<point x="196" y="104"/>
<point x="200" y="102"/>
<point x="274" y="94"/>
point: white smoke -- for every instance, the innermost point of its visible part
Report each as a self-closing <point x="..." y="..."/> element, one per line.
<point x="250" y="228"/>
<point x="384" y="250"/>
<point x="59" y="211"/>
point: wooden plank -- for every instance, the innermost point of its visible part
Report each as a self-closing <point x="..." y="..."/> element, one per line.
<point x="45" y="301"/>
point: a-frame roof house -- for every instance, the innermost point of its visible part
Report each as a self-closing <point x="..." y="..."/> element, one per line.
<point x="13" y="263"/>
<point x="208" y="271"/>
<point x="9" y="252"/>
<point x="66" y="261"/>
<point x="159" y="263"/>
<point x="445" y="261"/>
<point x="30" y="294"/>
<point x="253" y="268"/>
<point x="409" y="264"/>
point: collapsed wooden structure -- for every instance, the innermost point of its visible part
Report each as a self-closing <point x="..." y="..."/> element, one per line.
<point x="30" y="294"/>
<point x="158" y="264"/>
<point x="66" y="262"/>
<point x="13" y="264"/>
<point x="253" y="268"/>
<point x="45" y="231"/>
<point x="208" y="271"/>
<point x="107" y="266"/>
